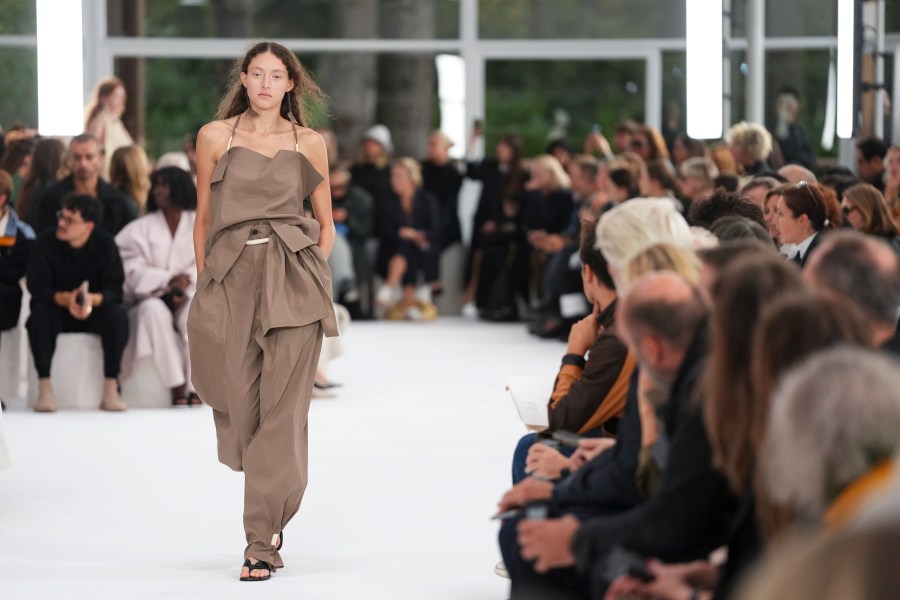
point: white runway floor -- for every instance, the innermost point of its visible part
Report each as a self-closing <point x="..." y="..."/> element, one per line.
<point x="406" y="466"/>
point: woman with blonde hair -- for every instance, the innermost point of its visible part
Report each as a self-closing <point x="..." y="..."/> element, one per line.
<point x="103" y="118"/>
<point x="410" y="227"/>
<point x="129" y="170"/>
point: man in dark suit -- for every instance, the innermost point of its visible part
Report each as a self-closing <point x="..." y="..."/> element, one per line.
<point x="662" y="319"/>
<point x="85" y="160"/>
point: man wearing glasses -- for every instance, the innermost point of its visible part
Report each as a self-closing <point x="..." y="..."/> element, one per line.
<point x="61" y="262"/>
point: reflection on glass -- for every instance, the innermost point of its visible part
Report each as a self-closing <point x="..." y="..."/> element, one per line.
<point x="304" y="19"/>
<point x="17" y="17"/>
<point x="581" y="19"/>
<point x="19" y="102"/>
<point x="539" y="99"/>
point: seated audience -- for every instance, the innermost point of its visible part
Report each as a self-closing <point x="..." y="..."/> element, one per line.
<point x="822" y="472"/>
<point x="870" y="155"/>
<point x="865" y="210"/>
<point x="16" y="242"/>
<point x="801" y="214"/>
<point x="351" y="209"/>
<point x="157" y="253"/>
<point x="750" y="145"/>
<point x="16" y="161"/>
<point x="756" y="189"/>
<point x="722" y="204"/>
<point x="77" y="251"/>
<point x="794" y="174"/>
<point x="892" y="182"/>
<point x="684" y="148"/>
<point x="410" y="226"/>
<point x="373" y="170"/>
<point x="589" y="393"/>
<point x="734" y="227"/>
<point x="46" y="164"/>
<point x="864" y="272"/>
<point x="696" y="177"/>
<point x="129" y="172"/>
<point x="85" y="161"/>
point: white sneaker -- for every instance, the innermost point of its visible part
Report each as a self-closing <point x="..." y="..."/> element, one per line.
<point x="500" y="570"/>
<point x="469" y="310"/>
<point x="386" y="295"/>
<point x="423" y="294"/>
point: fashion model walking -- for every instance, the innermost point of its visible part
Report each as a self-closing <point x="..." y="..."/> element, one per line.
<point x="263" y="298"/>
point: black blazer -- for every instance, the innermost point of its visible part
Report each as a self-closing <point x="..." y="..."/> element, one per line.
<point x="688" y="515"/>
<point x="118" y="210"/>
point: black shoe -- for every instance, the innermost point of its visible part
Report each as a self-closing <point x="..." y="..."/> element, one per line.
<point x="258" y="566"/>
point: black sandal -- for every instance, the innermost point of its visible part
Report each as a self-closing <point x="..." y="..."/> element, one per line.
<point x="257" y="566"/>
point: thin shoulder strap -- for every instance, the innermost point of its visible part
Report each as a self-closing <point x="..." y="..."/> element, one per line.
<point x="296" y="143"/>
<point x="233" y="129"/>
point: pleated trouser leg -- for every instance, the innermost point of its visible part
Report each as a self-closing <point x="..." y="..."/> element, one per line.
<point x="259" y="387"/>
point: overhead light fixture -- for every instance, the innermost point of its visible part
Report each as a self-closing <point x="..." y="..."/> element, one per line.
<point x="704" y="64"/>
<point x="60" y="67"/>
<point x="848" y="54"/>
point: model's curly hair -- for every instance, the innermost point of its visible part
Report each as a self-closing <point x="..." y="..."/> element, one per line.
<point x="299" y="105"/>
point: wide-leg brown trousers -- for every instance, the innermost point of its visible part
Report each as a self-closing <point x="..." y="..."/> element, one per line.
<point x="259" y="387"/>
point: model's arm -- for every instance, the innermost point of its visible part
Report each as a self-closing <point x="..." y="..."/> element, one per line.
<point x="208" y="151"/>
<point x="313" y="147"/>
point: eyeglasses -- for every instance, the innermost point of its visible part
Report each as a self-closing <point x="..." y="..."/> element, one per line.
<point x="67" y="220"/>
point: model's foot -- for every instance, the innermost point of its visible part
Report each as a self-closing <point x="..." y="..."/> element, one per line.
<point x="254" y="570"/>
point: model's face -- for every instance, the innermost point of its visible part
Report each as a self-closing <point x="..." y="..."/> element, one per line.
<point x="115" y="102"/>
<point x="85" y="160"/>
<point x="769" y="215"/>
<point x="793" y="229"/>
<point x="402" y="182"/>
<point x="852" y="213"/>
<point x="266" y="81"/>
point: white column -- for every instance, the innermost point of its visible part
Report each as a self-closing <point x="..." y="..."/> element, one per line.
<point x="474" y="61"/>
<point x="59" y="67"/>
<point x="98" y="60"/>
<point x="653" y="100"/>
<point x="756" y="61"/>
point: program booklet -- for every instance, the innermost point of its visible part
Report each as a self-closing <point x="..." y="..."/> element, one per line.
<point x="531" y="396"/>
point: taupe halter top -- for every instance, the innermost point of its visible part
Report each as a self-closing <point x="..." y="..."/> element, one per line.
<point x="250" y="188"/>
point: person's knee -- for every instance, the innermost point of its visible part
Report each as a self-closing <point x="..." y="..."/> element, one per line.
<point x="44" y="318"/>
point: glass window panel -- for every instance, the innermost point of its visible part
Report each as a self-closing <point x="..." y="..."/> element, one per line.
<point x="892" y="17"/>
<point x="18" y="17"/>
<point x="581" y="19"/>
<point x="529" y="97"/>
<point x="18" y="102"/>
<point x="800" y="18"/>
<point x="674" y="95"/>
<point x="807" y="72"/>
<point x="389" y="19"/>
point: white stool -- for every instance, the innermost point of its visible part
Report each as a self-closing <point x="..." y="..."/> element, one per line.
<point x="143" y="388"/>
<point x="76" y="372"/>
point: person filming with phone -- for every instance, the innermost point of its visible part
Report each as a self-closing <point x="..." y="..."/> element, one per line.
<point x="75" y="278"/>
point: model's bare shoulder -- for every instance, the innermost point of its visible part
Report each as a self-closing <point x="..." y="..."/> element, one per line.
<point x="212" y="139"/>
<point x="311" y="143"/>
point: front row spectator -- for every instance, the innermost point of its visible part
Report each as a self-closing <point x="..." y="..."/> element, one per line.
<point x="157" y="253"/>
<point x="76" y="252"/>
<point x="16" y="241"/>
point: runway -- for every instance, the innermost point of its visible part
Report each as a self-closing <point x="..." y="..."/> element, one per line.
<point x="406" y="466"/>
